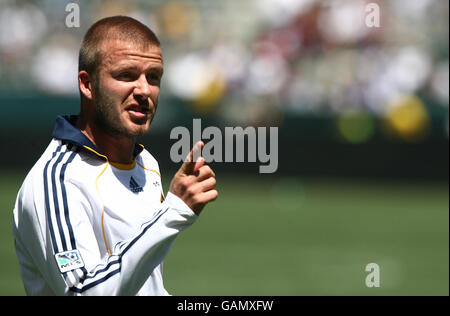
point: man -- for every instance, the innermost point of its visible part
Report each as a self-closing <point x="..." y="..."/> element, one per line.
<point x="90" y="217"/>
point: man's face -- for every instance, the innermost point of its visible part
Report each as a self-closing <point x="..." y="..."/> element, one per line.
<point x="126" y="88"/>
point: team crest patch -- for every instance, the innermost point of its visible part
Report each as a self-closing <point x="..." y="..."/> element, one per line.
<point x="69" y="260"/>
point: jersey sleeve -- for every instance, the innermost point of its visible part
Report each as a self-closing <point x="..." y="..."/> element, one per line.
<point x="65" y="249"/>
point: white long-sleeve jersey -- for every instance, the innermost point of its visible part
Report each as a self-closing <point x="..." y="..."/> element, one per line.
<point x="85" y="226"/>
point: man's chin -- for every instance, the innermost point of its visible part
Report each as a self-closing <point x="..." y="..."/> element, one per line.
<point x="139" y="130"/>
<point x="127" y="132"/>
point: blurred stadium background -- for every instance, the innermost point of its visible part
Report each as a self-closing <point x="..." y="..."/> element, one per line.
<point x="363" y="117"/>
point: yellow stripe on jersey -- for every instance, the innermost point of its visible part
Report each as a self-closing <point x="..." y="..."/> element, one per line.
<point x="123" y="166"/>
<point x="152" y="170"/>
<point x="89" y="148"/>
<point x="103" y="208"/>
<point x="98" y="192"/>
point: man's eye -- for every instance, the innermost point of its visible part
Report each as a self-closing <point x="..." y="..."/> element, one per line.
<point x="125" y="76"/>
<point x="153" y="78"/>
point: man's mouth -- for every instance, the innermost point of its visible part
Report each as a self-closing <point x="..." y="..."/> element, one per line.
<point x="138" y="111"/>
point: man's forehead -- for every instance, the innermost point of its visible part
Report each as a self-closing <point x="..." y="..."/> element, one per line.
<point x="116" y="51"/>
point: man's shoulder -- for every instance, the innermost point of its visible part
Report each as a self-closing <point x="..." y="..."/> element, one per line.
<point x="44" y="176"/>
<point x="62" y="161"/>
<point x="37" y="171"/>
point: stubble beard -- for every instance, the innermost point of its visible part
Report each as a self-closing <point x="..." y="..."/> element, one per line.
<point x="108" y="120"/>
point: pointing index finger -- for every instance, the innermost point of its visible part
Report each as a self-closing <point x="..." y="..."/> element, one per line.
<point x="193" y="160"/>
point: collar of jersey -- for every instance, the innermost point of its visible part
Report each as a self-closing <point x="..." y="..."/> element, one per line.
<point x="65" y="130"/>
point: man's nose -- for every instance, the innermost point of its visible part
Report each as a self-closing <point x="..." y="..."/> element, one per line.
<point x="142" y="89"/>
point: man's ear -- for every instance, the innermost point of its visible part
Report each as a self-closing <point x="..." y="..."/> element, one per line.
<point x="86" y="84"/>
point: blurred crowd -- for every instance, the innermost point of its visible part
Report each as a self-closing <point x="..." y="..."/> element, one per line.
<point x="257" y="62"/>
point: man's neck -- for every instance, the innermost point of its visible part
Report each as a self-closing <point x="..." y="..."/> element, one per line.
<point x="118" y="149"/>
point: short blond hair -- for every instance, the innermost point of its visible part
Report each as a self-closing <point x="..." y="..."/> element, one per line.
<point x="121" y="28"/>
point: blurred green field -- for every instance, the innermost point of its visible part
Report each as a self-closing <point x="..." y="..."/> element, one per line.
<point x="294" y="236"/>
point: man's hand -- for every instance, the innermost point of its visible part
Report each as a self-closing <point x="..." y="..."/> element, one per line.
<point x="194" y="183"/>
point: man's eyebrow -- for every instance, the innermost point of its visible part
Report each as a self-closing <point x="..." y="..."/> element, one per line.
<point x="152" y="68"/>
<point x="125" y="67"/>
